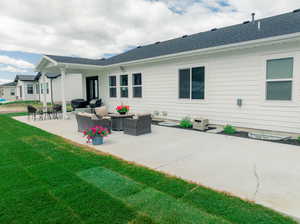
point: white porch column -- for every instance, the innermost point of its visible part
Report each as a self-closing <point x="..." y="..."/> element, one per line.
<point x="44" y="90"/>
<point x="63" y="97"/>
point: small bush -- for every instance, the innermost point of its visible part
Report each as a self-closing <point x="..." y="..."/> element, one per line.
<point x="186" y="123"/>
<point x="230" y="130"/>
<point x="298" y="139"/>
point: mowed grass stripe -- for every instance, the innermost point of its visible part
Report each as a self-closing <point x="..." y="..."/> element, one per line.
<point x="48" y="152"/>
<point x="159" y="206"/>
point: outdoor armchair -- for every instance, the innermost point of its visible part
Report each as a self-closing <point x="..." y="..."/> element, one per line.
<point x="138" y="125"/>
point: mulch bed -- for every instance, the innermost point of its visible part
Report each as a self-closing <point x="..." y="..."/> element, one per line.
<point x="240" y="134"/>
<point x="177" y="126"/>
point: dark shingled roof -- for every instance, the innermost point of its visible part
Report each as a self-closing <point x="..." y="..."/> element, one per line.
<point x="283" y="24"/>
<point x="25" y="78"/>
<point x="9" y="84"/>
<point x="50" y="76"/>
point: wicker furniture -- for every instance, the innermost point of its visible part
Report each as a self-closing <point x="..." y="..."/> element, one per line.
<point x="79" y="103"/>
<point x="56" y="111"/>
<point x="32" y="112"/>
<point x="118" y="121"/>
<point x="85" y="122"/>
<point x="138" y="126"/>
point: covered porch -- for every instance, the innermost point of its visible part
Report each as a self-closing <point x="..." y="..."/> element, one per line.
<point x="90" y="74"/>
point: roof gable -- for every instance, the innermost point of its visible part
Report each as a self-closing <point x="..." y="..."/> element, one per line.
<point x="10" y="84"/>
<point x="25" y="78"/>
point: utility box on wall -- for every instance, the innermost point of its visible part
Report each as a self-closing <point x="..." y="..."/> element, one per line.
<point x="239" y="102"/>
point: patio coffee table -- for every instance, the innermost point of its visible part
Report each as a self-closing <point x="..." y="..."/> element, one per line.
<point x="117" y="121"/>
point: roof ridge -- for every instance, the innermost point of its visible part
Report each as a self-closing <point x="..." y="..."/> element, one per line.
<point x="276" y="25"/>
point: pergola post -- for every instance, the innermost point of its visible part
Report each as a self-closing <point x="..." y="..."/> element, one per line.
<point x="44" y="90"/>
<point x="63" y="97"/>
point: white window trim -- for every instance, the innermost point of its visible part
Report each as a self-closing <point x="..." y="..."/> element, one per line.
<point x="27" y="88"/>
<point x="132" y="86"/>
<point x="178" y="86"/>
<point x="109" y="87"/>
<point x="279" y="80"/>
<point x="295" y="92"/>
<point x="120" y="86"/>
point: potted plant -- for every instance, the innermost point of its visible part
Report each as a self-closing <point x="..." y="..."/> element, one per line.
<point x="186" y="123"/>
<point x="96" y="135"/>
<point x="122" y="109"/>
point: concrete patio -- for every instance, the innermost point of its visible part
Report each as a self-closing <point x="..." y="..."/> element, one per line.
<point x="264" y="172"/>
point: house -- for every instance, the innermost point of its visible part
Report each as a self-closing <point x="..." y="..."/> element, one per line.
<point x="8" y="91"/>
<point x="73" y="87"/>
<point x="246" y="75"/>
<point x="26" y="88"/>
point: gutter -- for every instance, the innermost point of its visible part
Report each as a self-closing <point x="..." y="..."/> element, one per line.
<point x="241" y="45"/>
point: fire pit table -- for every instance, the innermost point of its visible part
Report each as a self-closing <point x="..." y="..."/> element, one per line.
<point x="117" y="121"/>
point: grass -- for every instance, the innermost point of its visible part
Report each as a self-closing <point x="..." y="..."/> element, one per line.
<point x="21" y="103"/>
<point x="25" y="103"/>
<point x="45" y="179"/>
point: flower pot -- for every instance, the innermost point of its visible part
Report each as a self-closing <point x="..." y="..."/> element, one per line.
<point x="122" y="113"/>
<point x="97" y="140"/>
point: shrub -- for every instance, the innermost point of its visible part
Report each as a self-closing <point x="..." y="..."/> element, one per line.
<point x="186" y="123"/>
<point x="298" y="139"/>
<point x="228" y="129"/>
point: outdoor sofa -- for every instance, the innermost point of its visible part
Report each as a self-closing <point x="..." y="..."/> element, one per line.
<point x="87" y="120"/>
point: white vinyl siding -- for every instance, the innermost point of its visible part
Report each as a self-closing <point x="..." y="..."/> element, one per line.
<point x="231" y="75"/>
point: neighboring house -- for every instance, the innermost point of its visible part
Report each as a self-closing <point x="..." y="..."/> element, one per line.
<point x="73" y="87"/>
<point x="25" y="87"/>
<point x="247" y="75"/>
<point x="8" y="91"/>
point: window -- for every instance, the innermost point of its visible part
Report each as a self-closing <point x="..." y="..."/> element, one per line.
<point x="12" y="92"/>
<point x="192" y="83"/>
<point x="42" y="88"/>
<point x="279" y="79"/>
<point x="112" y="86"/>
<point x="47" y="87"/>
<point x="37" y="88"/>
<point x="137" y="85"/>
<point x="124" y="85"/>
<point x="29" y="88"/>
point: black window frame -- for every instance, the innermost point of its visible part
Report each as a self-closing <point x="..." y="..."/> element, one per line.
<point x="113" y="87"/>
<point x="189" y="92"/>
<point x="124" y="86"/>
<point x="137" y="86"/>
<point x="30" y="89"/>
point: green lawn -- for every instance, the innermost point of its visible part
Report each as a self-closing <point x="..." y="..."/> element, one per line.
<point x="45" y="179"/>
<point x="25" y="103"/>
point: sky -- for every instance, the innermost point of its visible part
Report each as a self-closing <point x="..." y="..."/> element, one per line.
<point x="101" y="28"/>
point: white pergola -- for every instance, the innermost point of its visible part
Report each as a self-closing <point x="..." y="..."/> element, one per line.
<point x="48" y="65"/>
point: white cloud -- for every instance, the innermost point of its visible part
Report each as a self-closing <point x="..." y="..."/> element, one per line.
<point x="95" y="27"/>
<point x="2" y="81"/>
<point x="9" y="68"/>
<point x="15" y="62"/>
